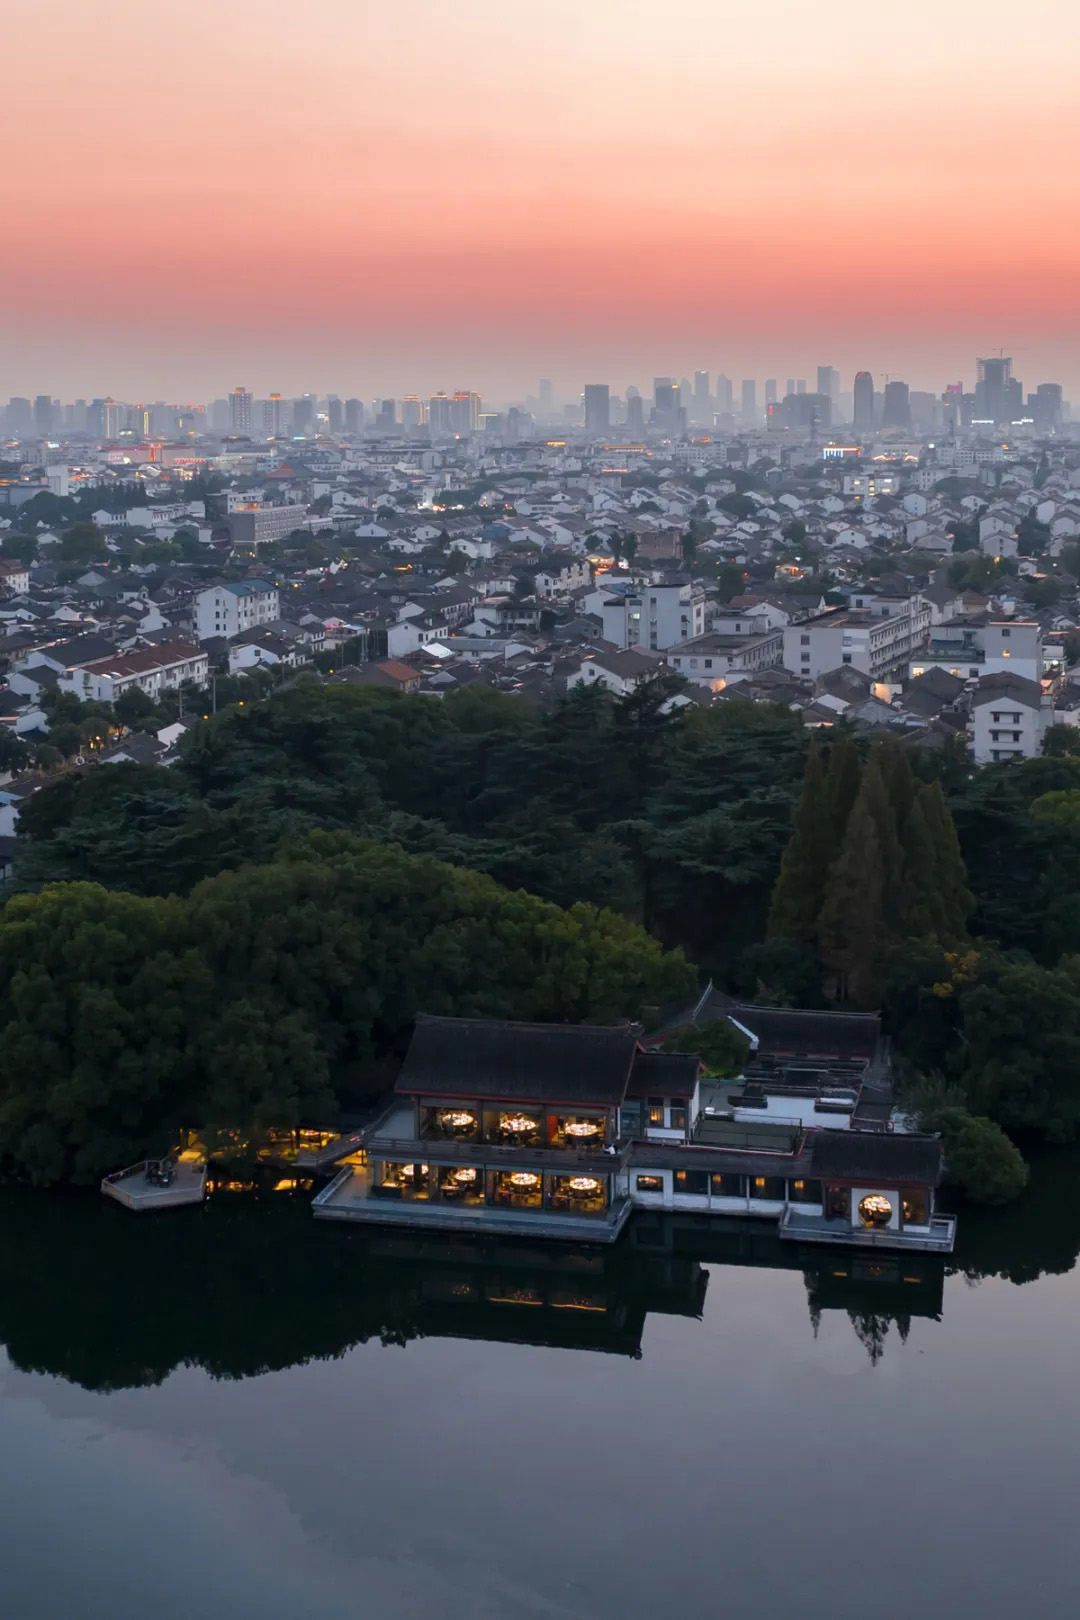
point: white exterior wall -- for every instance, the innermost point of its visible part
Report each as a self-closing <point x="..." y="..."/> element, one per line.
<point x="656" y="617"/>
<point x="220" y="611"/>
<point x="1017" y="733"/>
<point x="797" y="1110"/>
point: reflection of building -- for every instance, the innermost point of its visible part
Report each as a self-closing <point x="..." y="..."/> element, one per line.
<point x="562" y="1129"/>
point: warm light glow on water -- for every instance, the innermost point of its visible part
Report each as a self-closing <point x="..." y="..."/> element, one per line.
<point x="237" y="1411"/>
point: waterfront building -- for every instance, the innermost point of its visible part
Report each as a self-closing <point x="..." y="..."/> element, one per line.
<point x="560" y="1130"/>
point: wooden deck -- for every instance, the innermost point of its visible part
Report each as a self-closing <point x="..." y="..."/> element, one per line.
<point x="131" y="1187"/>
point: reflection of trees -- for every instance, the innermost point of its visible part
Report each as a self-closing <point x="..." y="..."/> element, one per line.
<point x="108" y="1300"/>
<point x="1038" y="1234"/>
<point x="872" y="1331"/>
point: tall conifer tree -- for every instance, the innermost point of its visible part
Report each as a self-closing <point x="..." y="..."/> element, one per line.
<point x="950" y="874"/>
<point x="854" y="936"/>
<point x="796" y="900"/>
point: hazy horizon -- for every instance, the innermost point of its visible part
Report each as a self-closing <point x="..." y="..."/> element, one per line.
<point x="366" y="202"/>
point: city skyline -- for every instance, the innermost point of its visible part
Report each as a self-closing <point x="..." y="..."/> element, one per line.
<point x="571" y="191"/>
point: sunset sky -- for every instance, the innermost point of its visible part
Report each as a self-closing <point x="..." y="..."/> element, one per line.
<point x="386" y="198"/>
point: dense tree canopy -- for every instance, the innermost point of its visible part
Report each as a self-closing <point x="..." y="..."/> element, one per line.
<point x="271" y="993"/>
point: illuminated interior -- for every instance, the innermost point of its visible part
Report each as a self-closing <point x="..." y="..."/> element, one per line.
<point x="513" y="1127"/>
<point x="915" y="1210"/>
<point x="875" y="1210"/>
<point x="450" y="1122"/>
<point x="517" y="1189"/>
<point x="578" y="1131"/>
<point x="408" y="1181"/>
<point x="460" y="1184"/>
<point x="579" y="1195"/>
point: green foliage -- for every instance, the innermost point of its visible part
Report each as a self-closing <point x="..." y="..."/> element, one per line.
<point x="14" y="752"/>
<point x="19" y="547"/>
<point x="980" y="1158"/>
<point x="253" y="1001"/>
<point x="722" y="1050"/>
<point x="1061" y="742"/>
<point x="796" y="900"/>
<point x="83" y="542"/>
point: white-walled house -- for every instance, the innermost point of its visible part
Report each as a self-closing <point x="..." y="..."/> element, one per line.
<point x="1009" y="718"/>
<point x="153" y="671"/>
<point x="226" y="610"/>
<point x="621" y="672"/>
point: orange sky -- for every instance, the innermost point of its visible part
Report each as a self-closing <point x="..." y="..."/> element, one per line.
<point x="365" y="199"/>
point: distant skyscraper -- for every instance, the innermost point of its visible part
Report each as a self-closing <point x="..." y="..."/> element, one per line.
<point x="440" y="420"/>
<point x="828" y="382"/>
<point x="896" y="406"/>
<point x="547" y="396"/>
<point x="240" y="411"/>
<point x="864" y="402"/>
<point x="724" y="394"/>
<point x="412" y="412"/>
<point x="110" y="419"/>
<point x="43" y="415"/>
<point x="770" y="390"/>
<point x="465" y="412"/>
<point x="790" y="389"/>
<point x="800" y="385"/>
<point x="354" y="415"/>
<point x="271" y="416"/>
<point x="597" y="409"/>
<point x="993" y="393"/>
<point x="20" y="416"/>
<point x="665" y="404"/>
<point x="635" y="414"/>
<point x="303" y="417"/>
<point x="335" y="414"/>
<point x="1046" y="407"/>
<point x="749" y="399"/>
<point x="386" y="420"/>
<point x="702" y="396"/>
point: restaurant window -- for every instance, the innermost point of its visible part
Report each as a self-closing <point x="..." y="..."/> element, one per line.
<point x="517" y="1189"/>
<point x="767" y="1187"/>
<point x="915" y="1208"/>
<point x="650" y="1184"/>
<point x="576" y="1131"/>
<point x="578" y="1195"/>
<point x="804" y="1192"/>
<point x="449" y="1122"/>
<point x="677" y="1116"/>
<point x="695" y="1182"/>
<point x="728" y="1185"/>
<point x="461" y="1184"/>
<point x="513" y="1127"/>
<point x="656" y="1110"/>
<point x="402" y="1180"/>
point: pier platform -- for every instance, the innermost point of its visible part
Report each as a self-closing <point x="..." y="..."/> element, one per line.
<point x="136" y="1188"/>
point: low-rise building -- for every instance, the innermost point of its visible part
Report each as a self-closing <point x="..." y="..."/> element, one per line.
<point x="226" y="610"/>
<point x="155" y="671"/>
<point x="1009" y="718"/>
<point x="621" y="671"/>
<point x="876" y="640"/>
<point x="710" y="660"/>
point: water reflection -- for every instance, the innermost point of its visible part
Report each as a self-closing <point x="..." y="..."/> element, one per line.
<point x="247" y="1285"/>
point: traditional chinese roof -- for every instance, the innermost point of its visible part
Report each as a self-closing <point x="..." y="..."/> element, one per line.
<point x="871" y="1159"/>
<point x="578" y="1064"/>
<point x="664" y="1074"/>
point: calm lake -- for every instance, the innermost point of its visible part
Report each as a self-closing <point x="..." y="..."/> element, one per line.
<point x="238" y="1411"/>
